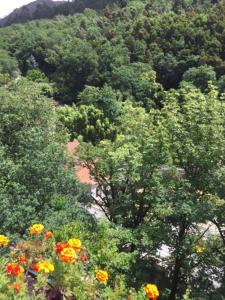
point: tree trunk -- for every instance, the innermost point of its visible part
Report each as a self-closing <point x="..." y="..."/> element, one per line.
<point x="178" y="263"/>
<point x="176" y="279"/>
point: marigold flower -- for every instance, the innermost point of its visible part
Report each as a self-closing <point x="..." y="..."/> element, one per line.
<point x="199" y="249"/>
<point x="22" y="259"/>
<point x="48" y="235"/>
<point x="36" y="268"/>
<point x="3" y="240"/>
<point x="36" y="229"/>
<point x="68" y="255"/>
<point x="151" y="291"/>
<point x="102" y="276"/>
<point x="14" y="270"/>
<point x="16" y="287"/>
<point x="75" y="244"/>
<point x="60" y="246"/>
<point x="44" y="266"/>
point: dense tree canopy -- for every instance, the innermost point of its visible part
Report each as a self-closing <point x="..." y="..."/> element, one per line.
<point x="8" y="67"/>
<point x="32" y="150"/>
<point x="162" y="177"/>
<point x="112" y="45"/>
<point x="86" y="122"/>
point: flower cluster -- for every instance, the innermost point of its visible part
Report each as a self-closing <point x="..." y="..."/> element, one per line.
<point x="152" y="291"/>
<point x="43" y="255"/>
<point x="67" y="251"/>
<point x="60" y="246"/>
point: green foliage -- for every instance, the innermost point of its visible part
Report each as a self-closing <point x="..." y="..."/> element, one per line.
<point x="221" y="84"/>
<point x="99" y="250"/>
<point x="138" y="80"/>
<point x="37" y="76"/>
<point x="32" y="158"/>
<point x="141" y="79"/>
<point x="119" y="45"/>
<point x="8" y="67"/>
<point x="86" y="121"/>
<point x="75" y="66"/>
<point x="201" y="76"/>
<point x="103" y="242"/>
<point x="155" y="176"/>
<point x="106" y="99"/>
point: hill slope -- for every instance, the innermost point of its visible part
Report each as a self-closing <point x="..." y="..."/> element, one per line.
<point x="34" y="10"/>
<point x="42" y="9"/>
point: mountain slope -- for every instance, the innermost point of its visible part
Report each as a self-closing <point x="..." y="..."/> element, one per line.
<point x="42" y="9"/>
<point x="34" y="10"/>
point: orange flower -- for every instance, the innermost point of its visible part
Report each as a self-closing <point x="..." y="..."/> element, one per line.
<point x="102" y="276"/>
<point x="75" y="244"/>
<point x="44" y="266"/>
<point x="16" y="287"/>
<point x="152" y="291"/>
<point x="3" y="240"/>
<point x="60" y="246"/>
<point x="68" y="255"/>
<point x="48" y="235"/>
<point x="14" y="270"/>
<point x="22" y="259"/>
<point x="36" y="229"/>
<point x="36" y="268"/>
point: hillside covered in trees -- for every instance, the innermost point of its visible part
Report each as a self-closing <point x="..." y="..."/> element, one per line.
<point x="141" y="85"/>
<point x="48" y="9"/>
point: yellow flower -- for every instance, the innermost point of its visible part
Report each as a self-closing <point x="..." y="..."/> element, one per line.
<point x="3" y="240"/>
<point x="152" y="291"/>
<point x="199" y="248"/>
<point x="75" y="244"/>
<point x="102" y="276"/>
<point x="68" y="255"/>
<point x="36" y="229"/>
<point x="45" y="267"/>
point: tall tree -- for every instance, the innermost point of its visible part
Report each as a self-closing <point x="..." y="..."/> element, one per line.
<point x="159" y="170"/>
<point x="35" y="170"/>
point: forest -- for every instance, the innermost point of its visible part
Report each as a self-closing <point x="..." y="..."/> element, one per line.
<point x="141" y="85"/>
